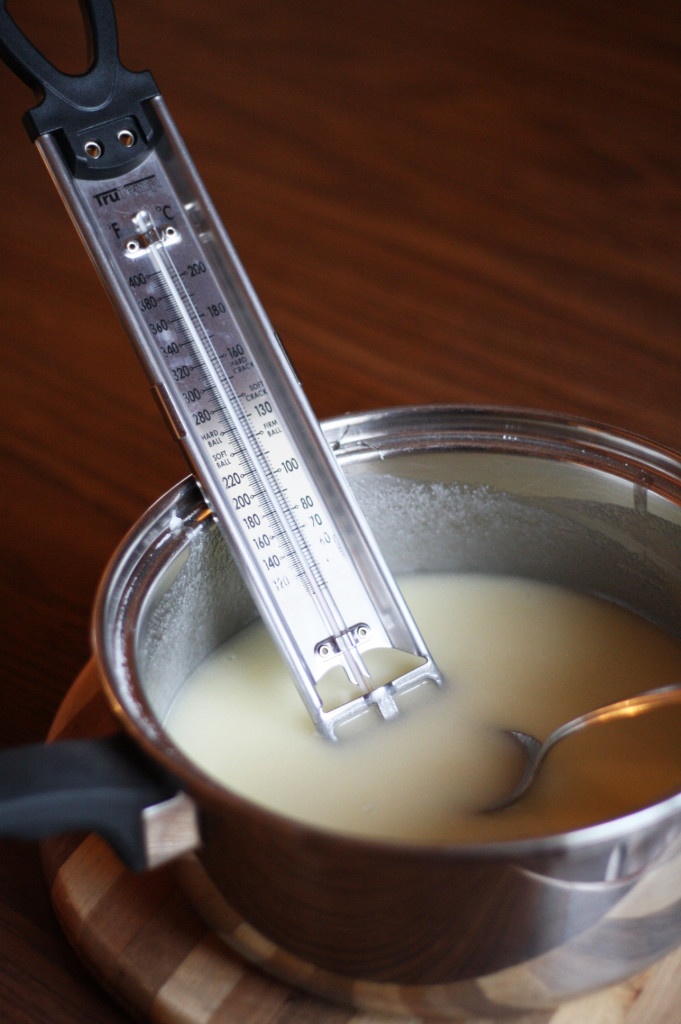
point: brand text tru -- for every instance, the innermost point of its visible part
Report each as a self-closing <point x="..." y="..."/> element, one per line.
<point x="141" y="187"/>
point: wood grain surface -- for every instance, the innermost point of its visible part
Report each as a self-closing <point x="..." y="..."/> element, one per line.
<point x="450" y="201"/>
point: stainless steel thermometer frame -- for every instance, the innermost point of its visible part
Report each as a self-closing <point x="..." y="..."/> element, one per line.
<point x="219" y="372"/>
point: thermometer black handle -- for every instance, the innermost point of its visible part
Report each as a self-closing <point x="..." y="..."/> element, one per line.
<point x="101" y="118"/>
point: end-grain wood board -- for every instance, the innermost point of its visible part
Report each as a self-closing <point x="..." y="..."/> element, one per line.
<point x="147" y="946"/>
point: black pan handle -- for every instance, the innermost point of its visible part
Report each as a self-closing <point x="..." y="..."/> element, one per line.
<point x="98" y="785"/>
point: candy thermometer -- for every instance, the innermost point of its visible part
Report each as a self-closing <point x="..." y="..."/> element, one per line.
<point x="219" y="371"/>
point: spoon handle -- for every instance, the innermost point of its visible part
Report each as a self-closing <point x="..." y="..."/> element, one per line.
<point x="629" y="707"/>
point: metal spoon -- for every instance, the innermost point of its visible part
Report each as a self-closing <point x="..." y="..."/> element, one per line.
<point x="535" y="751"/>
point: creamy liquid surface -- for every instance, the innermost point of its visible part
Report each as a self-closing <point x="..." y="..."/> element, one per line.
<point x="516" y="654"/>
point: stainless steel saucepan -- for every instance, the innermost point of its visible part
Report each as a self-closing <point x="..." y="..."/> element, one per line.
<point x="484" y="929"/>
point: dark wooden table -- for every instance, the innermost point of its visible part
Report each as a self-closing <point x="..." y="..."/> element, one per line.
<point x="467" y="201"/>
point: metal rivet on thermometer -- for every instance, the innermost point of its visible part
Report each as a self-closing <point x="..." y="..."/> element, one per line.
<point x="220" y="373"/>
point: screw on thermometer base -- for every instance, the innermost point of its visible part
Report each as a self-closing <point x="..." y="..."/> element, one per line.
<point x="350" y="637"/>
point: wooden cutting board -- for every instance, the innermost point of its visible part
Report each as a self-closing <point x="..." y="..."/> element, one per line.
<point x="146" y="945"/>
